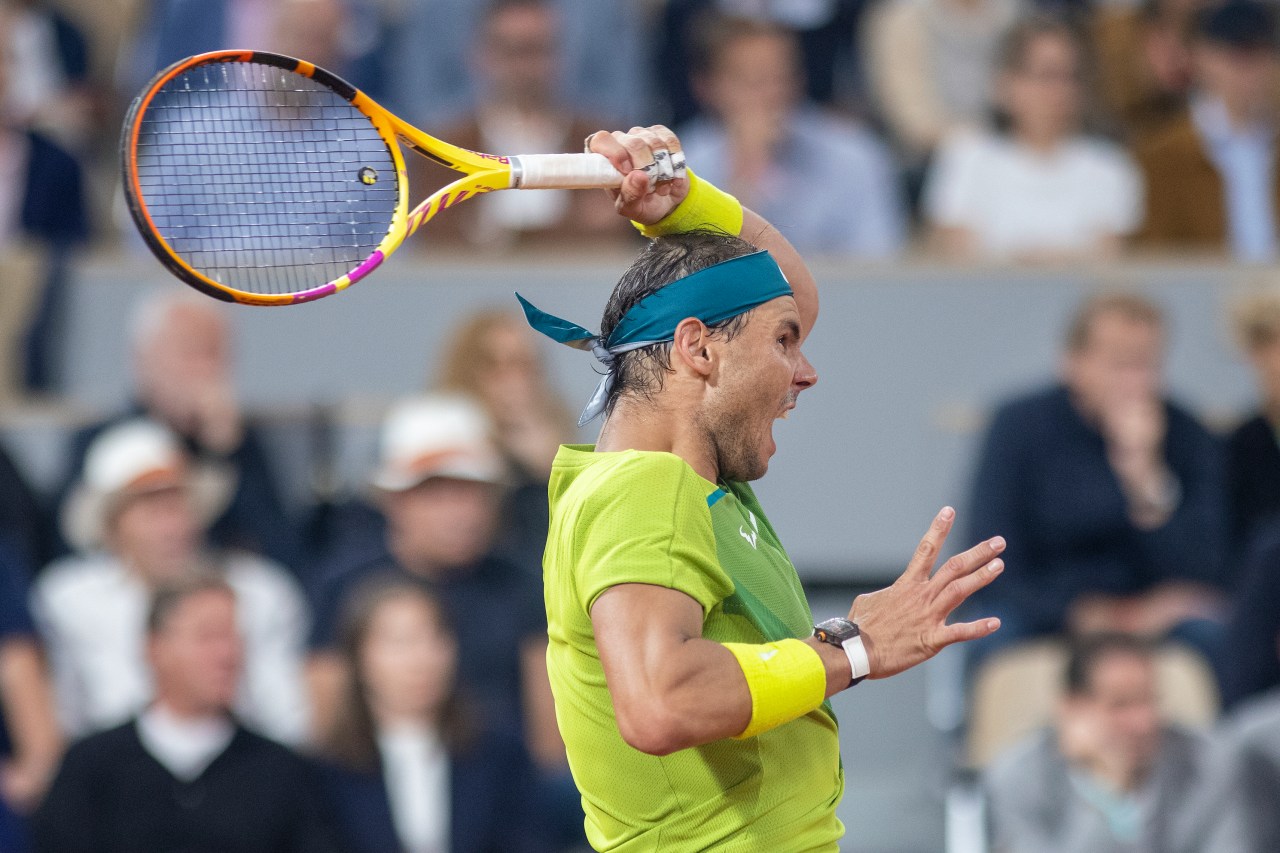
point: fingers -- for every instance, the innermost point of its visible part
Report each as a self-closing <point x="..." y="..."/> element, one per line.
<point x="964" y="631"/>
<point x="927" y="551"/>
<point x="955" y="592"/>
<point x="655" y="151"/>
<point x="969" y="561"/>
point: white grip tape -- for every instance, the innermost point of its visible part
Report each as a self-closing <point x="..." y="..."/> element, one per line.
<point x="563" y="172"/>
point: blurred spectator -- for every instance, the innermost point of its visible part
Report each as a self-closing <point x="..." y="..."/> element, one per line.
<point x="1252" y="736"/>
<point x="1038" y="188"/>
<point x="1253" y="450"/>
<point x="1251" y="658"/>
<point x="1111" y="775"/>
<point x="433" y="83"/>
<point x="493" y="358"/>
<point x="42" y="204"/>
<point x="439" y="485"/>
<point x="47" y="89"/>
<point x="516" y="60"/>
<point x="138" y="518"/>
<point x="184" y="774"/>
<point x="409" y="764"/>
<point x="1210" y="174"/>
<point x="1144" y="61"/>
<point x="30" y="742"/>
<point x="343" y="34"/>
<point x="931" y="65"/>
<point x="827" y="31"/>
<point x="182" y="360"/>
<point x="829" y="185"/>
<point x="1111" y="497"/>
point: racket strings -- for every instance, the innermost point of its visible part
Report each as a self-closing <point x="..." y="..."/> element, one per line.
<point x="262" y="179"/>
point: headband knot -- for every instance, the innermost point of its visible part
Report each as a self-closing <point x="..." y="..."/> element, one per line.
<point x="712" y="295"/>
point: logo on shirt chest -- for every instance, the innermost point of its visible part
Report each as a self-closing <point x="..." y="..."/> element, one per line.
<point x="753" y="536"/>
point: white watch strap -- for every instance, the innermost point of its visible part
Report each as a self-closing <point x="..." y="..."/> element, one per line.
<point x="857" y="654"/>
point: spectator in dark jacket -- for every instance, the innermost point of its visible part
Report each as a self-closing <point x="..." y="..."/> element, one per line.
<point x="411" y="767"/>
<point x="1110" y="496"/>
<point x="1253" y="451"/>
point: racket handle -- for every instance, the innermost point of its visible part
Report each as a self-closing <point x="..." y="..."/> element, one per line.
<point x="563" y="172"/>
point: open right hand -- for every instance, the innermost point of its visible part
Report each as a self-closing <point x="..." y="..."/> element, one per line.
<point x="906" y="623"/>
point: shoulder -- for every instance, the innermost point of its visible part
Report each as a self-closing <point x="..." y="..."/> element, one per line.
<point x="252" y="575"/>
<point x="72" y="579"/>
<point x="273" y="757"/>
<point x="1021" y="771"/>
<point x="1250" y="433"/>
<point x="628" y="474"/>
<point x="1182" y="423"/>
<point x="103" y="749"/>
<point x="836" y="136"/>
<point x="1036" y="408"/>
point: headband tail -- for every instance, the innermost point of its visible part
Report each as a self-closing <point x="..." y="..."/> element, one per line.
<point x="558" y="329"/>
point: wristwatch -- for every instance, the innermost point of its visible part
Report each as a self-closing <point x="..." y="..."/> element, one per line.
<point x="845" y="634"/>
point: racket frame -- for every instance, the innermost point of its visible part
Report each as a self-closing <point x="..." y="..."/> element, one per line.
<point x="482" y="173"/>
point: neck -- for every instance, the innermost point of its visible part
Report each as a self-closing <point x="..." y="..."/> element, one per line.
<point x="648" y="425"/>
<point x="389" y="719"/>
<point x="1040" y="141"/>
<point x="187" y="710"/>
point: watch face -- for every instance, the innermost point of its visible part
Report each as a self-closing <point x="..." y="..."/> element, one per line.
<point x="836" y="631"/>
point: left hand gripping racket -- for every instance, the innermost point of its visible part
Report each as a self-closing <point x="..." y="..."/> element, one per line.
<point x="261" y="179"/>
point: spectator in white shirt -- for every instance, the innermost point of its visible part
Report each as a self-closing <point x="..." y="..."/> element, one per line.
<point x="1039" y="189"/>
<point x="138" y="518"/>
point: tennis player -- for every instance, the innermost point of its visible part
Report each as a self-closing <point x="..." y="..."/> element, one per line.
<point x="691" y="684"/>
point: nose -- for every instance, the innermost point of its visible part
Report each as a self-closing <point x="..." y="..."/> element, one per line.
<point x="806" y="376"/>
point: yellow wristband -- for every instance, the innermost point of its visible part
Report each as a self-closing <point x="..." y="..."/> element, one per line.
<point x="787" y="679"/>
<point x="705" y="208"/>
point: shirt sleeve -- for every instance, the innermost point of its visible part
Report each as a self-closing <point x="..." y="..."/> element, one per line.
<point x="651" y="526"/>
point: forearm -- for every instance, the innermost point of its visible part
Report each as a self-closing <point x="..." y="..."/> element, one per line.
<point x="757" y="231"/>
<point x="698" y="693"/>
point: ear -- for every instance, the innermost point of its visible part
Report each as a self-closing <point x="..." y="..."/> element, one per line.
<point x="690" y="347"/>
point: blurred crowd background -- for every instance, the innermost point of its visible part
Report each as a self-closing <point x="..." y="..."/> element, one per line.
<point x="205" y="645"/>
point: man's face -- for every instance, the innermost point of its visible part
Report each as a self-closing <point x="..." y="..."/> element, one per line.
<point x="755" y="75"/>
<point x="197" y="654"/>
<point x="184" y="356"/>
<point x="407" y="659"/>
<point x="761" y="373"/>
<point x="1120" y="706"/>
<point x="442" y="523"/>
<point x="155" y="533"/>
<point x="1120" y="362"/>
<point x="1244" y="78"/>
<point x="518" y="57"/>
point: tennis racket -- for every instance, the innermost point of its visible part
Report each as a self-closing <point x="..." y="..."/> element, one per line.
<point x="262" y="179"/>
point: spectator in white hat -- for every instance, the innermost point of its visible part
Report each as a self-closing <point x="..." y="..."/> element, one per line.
<point x="439" y="486"/>
<point x="138" y="518"/>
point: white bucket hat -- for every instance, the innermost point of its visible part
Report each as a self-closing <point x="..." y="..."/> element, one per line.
<point x="441" y="435"/>
<point x="133" y="458"/>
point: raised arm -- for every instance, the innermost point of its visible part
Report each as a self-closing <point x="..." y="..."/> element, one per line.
<point x="642" y="201"/>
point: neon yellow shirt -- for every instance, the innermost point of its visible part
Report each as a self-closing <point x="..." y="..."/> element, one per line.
<point x="643" y="517"/>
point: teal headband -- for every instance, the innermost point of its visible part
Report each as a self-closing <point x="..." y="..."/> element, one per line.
<point x="711" y="295"/>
